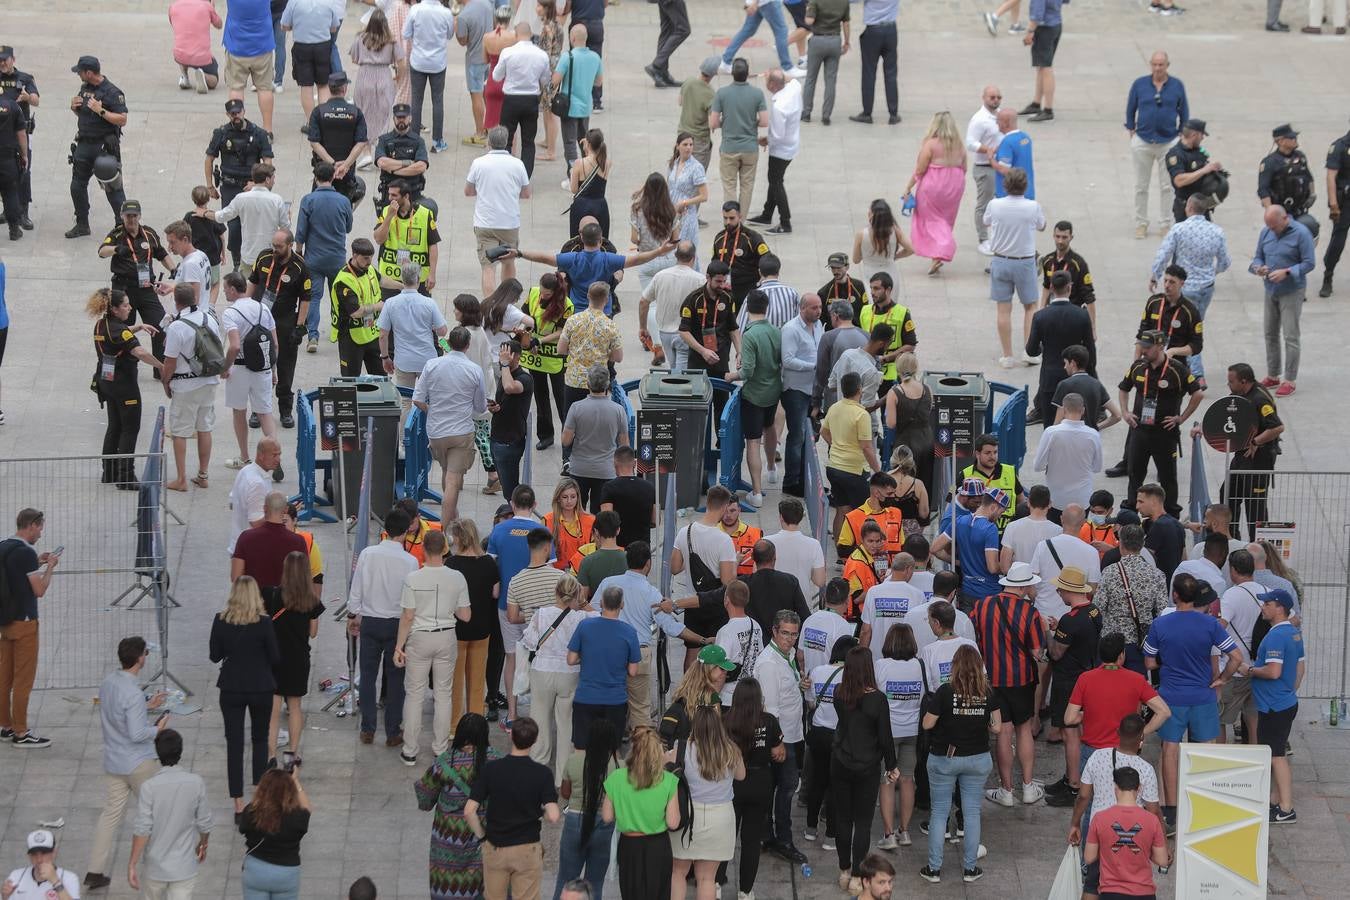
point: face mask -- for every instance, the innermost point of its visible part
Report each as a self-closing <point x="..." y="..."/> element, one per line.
<point x="1097" y="518"/>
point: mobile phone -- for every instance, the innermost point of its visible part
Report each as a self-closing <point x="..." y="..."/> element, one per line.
<point x="162" y="716"/>
<point x="59" y="550"/>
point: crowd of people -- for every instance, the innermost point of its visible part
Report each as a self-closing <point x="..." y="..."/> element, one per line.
<point x="945" y="633"/>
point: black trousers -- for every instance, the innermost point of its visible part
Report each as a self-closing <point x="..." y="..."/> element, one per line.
<point x="82" y="156"/>
<point x="233" y="705"/>
<point x="290" y="339"/>
<point x="1339" y="229"/>
<point x="11" y="181"/>
<point x="351" y="355"/>
<point x="644" y="866"/>
<point x="818" y="743"/>
<point x="777" y="196"/>
<point x="595" y="42"/>
<point x="855" y="806"/>
<point x="146" y="304"/>
<point x="674" y="32"/>
<point x="1153" y="443"/>
<point x="1051" y="376"/>
<point x="496" y="660"/>
<point x="589" y="490"/>
<point x="1253" y="491"/>
<point x="228" y="191"/>
<point x="880" y="42"/>
<point x="521" y="110"/>
<point x="123" y="408"/>
<point x="544" y="384"/>
<point x="751" y="800"/>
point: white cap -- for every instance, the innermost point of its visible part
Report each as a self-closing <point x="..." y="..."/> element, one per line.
<point x="41" y="840"/>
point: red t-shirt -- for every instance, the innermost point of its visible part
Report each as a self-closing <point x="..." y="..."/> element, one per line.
<point x="1125" y="837"/>
<point x="264" y="550"/>
<point x="1115" y="693"/>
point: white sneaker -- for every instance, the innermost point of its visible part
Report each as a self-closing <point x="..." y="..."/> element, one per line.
<point x="745" y="895"/>
<point x="724" y="68"/>
<point x="755" y="499"/>
<point x="201" y="81"/>
<point x="567" y="185"/>
<point x="773" y="476"/>
<point x="1031" y="793"/>
<point x="1001" y="796"/>
<point x="903" y="839"/>
<point x="253" y="87"/>
<point x="887" y="842"/>
<point x="985" y="248"/>
<point x="278" y="87"/>
<point x="1007" y="362"/>
<point x="991" y="23"/>
<point x="237" y="463"/>
<point x="283" y="736"/>
<point x="1017" y="27"/>
<point x="183" y="84"/>
<point x="1030" y="360"/>
<point x="796" y="72"/>
<point x="827" y="843"/>
<point x="982" y="852"/>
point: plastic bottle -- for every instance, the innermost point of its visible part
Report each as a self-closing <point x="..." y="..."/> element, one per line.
<point x="806" y="870"/>
<point x="1335" y="714"/>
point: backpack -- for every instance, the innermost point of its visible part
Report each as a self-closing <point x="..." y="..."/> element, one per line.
<point x="255" y="348"/>
<point x="9" y="600"/>
<point x="208" y="353"/>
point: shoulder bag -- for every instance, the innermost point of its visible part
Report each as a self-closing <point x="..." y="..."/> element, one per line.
<point x="520" y="684"/>
<point x="561" y="104"/>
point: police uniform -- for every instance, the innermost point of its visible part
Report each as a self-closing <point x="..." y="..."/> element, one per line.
<point x="1158" y="392"/>
<point x="357" y="337"/>
<point x="11" y="86"/>
<point x="1288" y="181"/>
<point x="1181" y="323"/>
<point x="133" y="273"/>
<point x="338" y="126"/>
<point x="94" y="137"/>
<point x="13" y="128"/>
<point x="238" y="149"/>
<point x="119" y="394"/>
<point x="1254" y="489"/>
<point x="283" y="287"/>
<point x="851" y="290"/>
<point x="1182" y="160"/>
<point x="1338" y="161"/>
<point x="545" y="363"/>
<point x="740" y="248"/>
<point x="407" y="147"/>
<point x="413" y="234"/>
<point x="1081" y="290"/>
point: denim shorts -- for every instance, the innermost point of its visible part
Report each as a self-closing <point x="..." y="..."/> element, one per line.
<point x="475" y="75"/>
<point x="1009" y="276"/>
<point x="1202" y="720"/>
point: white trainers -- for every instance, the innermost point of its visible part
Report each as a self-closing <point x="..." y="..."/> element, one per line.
<point x="237" y="463"/>
<point x="991" y="22"/>
<point x="745" y="895"/>
<point x="982" y="852"/>
<point x="1031" y="793"/>
<point x="1000" y="795"/>
<point x="985" y="248"/>
<point x="200" y="77"/>
<point x="887" y="842"/>
<point x="796" y="72"/>
<point x="755" y="499"/>
<point x="773" y="476"/>
<point x="902" y="839"/>
<point x="278" y="87"/>
<point x="1007" y="362"/>
<point x="183" y="84"/>
<point x="724" y="68"/>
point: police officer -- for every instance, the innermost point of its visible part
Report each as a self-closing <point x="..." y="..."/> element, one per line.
<point x="1188" y="164"/>
<point x="101" y="111"/>
<point x="740" y="248"/>
<point x="1285" y="178"/>
<point x="13" y="161"/>
<point x="354" y="310"/>
<point x="281" y="282"/>
<point x="22" y="89"/>
<point x="406" y="228"/>
<point x="1338" y="200"/>
<point x="133" y="249"/>
<point x="402" y="153"/>
<point x="239" y="145"/>
<point x="1159" y="383"/>
<point x="116" y="351"/>
<point x="1259" y="455"/>
<point x="337" y="135"/>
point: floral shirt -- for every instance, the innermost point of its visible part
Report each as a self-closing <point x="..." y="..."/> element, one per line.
<point x="1149" y="589"/>
<point x="591" y="338"/>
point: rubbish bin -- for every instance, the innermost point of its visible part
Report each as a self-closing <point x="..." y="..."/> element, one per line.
<point x="689" y="396"/>
<point x="377" y="398"/>
<point x="952" y="393"/>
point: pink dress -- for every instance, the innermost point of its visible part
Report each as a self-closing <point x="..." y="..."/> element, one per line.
<point x="937" y="196"/>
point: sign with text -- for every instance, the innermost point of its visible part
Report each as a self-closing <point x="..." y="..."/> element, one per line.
<point x="954" y="429"/>
<point x="656" y="430"/>
<point x="1223" y="821"/>
<point x="337" y="418"/>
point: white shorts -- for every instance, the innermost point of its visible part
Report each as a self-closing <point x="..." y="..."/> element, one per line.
<point x="511" y="633"/>
<point x="245" y="388"/>
<point x="192" y="411"/>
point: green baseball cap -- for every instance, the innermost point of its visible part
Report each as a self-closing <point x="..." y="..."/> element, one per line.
<point x="713" y="655"/>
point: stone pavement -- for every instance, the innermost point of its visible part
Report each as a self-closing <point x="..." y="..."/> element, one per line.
<point x="1240" y="79"/>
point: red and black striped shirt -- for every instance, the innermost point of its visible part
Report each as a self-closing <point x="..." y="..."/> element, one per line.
<point x="1011" y="635"/>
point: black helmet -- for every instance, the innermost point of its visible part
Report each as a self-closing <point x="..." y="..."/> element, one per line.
<point x="106" y="167"/>
<point x="357" y="191"/>
<point x="1216" y="185"/>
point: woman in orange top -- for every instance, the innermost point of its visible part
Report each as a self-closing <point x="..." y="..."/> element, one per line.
<point x="569" y="523"/>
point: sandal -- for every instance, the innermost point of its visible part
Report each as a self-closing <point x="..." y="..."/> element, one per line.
<point x="200" y="480"/>
<point x="493" y="487"/>
<point x="935" y="268"/>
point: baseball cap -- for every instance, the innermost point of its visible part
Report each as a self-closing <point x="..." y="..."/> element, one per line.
<point x="1279" y="595"/>
<point x="41" y="839"/>
<point x="837" y="259"/>
<point x="714" y="655"/>
<point x="1196" y="125"/>
<point x="131" y="208"/>
<point x="1151" y="338"/>
<point x="6" y="52"/>
<point x="234" y="105"/>
<point x="402" y="109"/>
<point x="337" y="79"/>
<point x="999" y="496"/>
<point x="1126" y="517"/>
<point x="972" y="487"/>
<point x="1284" y="131"/>
<point x="1205" y="593"/>
<point x="709" y="66"/>
<point x="87" y="64"/>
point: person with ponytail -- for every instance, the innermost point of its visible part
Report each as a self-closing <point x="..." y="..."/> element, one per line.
<point x="586" y="837"/>
<point x="116" y="351"/>
<point x="642" y="800"/>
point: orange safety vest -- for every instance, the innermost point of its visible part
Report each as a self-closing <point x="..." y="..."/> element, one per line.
<point x="1103" y="534"/>
<point x="889" y="518"/>
<point x="744" y="539"/>
<point x="574" y="563"/>
<point x="567" y="542"/>
<point x="860" y="570"/>
<point x="414" y="544"/>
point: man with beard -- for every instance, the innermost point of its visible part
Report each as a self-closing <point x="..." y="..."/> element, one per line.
<point x="238" y="145"/>
<point x="402" y="154"/>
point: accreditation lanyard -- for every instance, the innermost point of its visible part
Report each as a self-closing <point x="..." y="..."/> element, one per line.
<point x="142" y="268"/>
<point x="1172" y="323"/>
<point x="834" y="290"/>
<point x="1148" y="407"/>
<point x="736" y="242"/>
<point x="368" y="321"/>
<point x="269" y="297"/>
<point x="706" y="337"/>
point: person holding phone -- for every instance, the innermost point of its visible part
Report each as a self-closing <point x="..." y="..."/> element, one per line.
<point x="28" y="575"/>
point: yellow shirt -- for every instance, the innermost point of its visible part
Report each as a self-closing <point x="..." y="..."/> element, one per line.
<point x="849" y="426"/>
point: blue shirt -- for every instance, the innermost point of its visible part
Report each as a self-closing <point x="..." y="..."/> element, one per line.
<point x="880" y="12"/>
<point x="585" y="268"/>
<point x="322" y="226"/>
<point x="1292" y="250"/>
<point x="1283" y="644"/>
<point x="248" y="28"/>
<point x="1182" y="641"/>
<point x="1156" y="114"/>
<point x="4" y="310"/>
<point x="311" y="21"/>
<point x="507" y="543"/>
<point x="638" y="596"/>
<point x="1015" y="150"/>
<point x="606" y="646"/>
<point x="974" y="535"/>
<point x="1046" y="12"/>
<point x="587" y="68"/>
<point x="128" y="735"/>
<point x="945" y="527"/>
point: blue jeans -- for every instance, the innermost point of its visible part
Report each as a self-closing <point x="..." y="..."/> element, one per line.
<point x="378" y="637"/>
<point x="335" y="60"/>
<point x="279" y="37"/>
<point x="265" y="881"/>
<point x="773" y="14"/>
<point x="1200" y="296"/>
<point x="507" y="459"/>
<point x="784" y="785"/>
<point x="572" y="859"/>
<point x="945" y="774"/>
<point x="321" y="273"/>
<point x="796" y="406"/>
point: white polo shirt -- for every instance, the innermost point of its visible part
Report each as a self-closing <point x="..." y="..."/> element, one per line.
<point x="497" y="178"/>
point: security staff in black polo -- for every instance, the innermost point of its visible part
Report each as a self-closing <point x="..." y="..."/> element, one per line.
<point x="22" y="89"/>
<point x="1338" y="202"/>
<point x="101" y="113"/>
<point x="1176" y="317"/>
<point x="402" y="153"/>
<point x="1187" y="164"/>
<point x="1260" y="454"/>
<point x="238" y="145"/>
<point x="1159" y="383"/>
<point x="740" y="247"/>
<point x="708" y="326"/>
<point x="842" y="286"/>
<point x="133" y="250"/>
<point x="13" y="162"/>
<point x="281" y="282"/>
<point x="116" y="351"/>
<point x="1065" y="259"/>
<point x="1285" y="178"/>
<point x="337" y="135"/>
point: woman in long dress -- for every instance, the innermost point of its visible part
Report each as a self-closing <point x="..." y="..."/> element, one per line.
<point x="455" y="866"/>
<point x="376" y="53"/>
<point x="495" y="41"/>
<point x="937" y="184"/>
<point x="688" y="187"/>
<point x="550" y="38"/>
<point x="881" y="243"/>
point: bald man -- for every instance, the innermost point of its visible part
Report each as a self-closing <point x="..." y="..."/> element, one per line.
<point x="1154" y="114"/>
<point x="1284" y="257"/>
<point x="1014" y="152"/>
<point x="251" y="487"/>
<point x="982" y="140"/>
<point x="260" y="550"/>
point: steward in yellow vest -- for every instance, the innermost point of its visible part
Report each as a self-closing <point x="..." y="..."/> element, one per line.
<point x="406" y="229"/>
<point x="883" y="309"/>
<point x="354" y="308"/>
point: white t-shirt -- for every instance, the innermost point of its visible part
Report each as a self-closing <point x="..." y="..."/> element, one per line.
<point x="1022" y="535"/>
<point x="1099" y="773"/>
<point x="743" y="641"/>
<point x="937" y="659"/>
<point x="901" y="680"/>
<point x="1204" y="570"/>
<point x="512" y="316"/>
<point x="1013" y="223"/>
<point x="1240" y="609"/>
<point x="666" y="293"/>
<point x="917" y="620"/>
<point x="1072" y="551"/>
<point x="180" y="341"/>
<point x="195" y="268"/>
<point x="251" y="487"/>
<point x="713" y="546"/>
<point x="923" y="580"/>
<point x="1198" y="552"/>
<point x="435" y="592"/>
<point x="822" y="694"/>
<point x="27" y="888"/>
<point x="497" y="178"/>
<point x="885" y="605"/>
<point x="798" y="554"/>
<point x="241" y="316"/>
<point x="785" y="120"/>
<point x="819" y="632"/>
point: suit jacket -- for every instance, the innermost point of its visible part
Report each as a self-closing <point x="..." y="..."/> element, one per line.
<point x="1060" y="325"/>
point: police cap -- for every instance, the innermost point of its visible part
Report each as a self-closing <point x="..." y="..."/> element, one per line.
<point x="337" y="79"/>
<point x="234" y="105"/>
<point x="6" y="52"/>
<point x="87" y="64"/>
<point x="1196" y="125"/>
<point x="402" y="110"/>
<point x="1283" y="131"/>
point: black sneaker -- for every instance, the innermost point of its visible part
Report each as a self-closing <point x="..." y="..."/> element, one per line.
<point x="254" y="421"/>
<point x="1045" y="115"/>
<point x="969" y="875"/>
<point x="1030" y="109"/>
<point x="1119" y="470"/>
<point x="806" y="117"/>
<point x="933" y="876"/>
<point x="862" y="118"/>
<point x="80" y="229"/>
<point x="6" y="734"/>
<point x="893" y="119"/>
<point x="760" y="220"/>
<point x="15" y="233"/>
<point x="1282" y="816"/>
<point x="30" y="741"/>
<point x="1326" y="288"/>
<point x="25" y="222"/>
<point x="408" y="760"/>
<point x="1060" y="787"/>
<point x="95" y="881"/>
<point x="1060" y="800"/>
<point x="287" y="420"/>
<point x="797" y="857"/>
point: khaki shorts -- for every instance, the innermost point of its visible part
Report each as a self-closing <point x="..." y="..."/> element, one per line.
<point x="454" y="453"/>
<point x="1236" y="700"/>
<point x="192" y="411"/>
<point x="490" y="237"/>
<point x="907" y="754"/>
<point x="239" y="70"/>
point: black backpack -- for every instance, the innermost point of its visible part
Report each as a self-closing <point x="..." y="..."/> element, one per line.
<point x="255" y="348"/>
<point x="10" y="609"/>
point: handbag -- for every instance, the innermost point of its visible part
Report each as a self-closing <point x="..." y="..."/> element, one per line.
<point x="1068" y="884"/>
<point x="910" y="204"/>
<point x="520" y="684"/>
<point x="561" y="104"/>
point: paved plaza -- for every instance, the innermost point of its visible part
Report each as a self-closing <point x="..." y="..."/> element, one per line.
<point x="1242" y="80"/>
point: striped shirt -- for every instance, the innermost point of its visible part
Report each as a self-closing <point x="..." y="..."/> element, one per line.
<point x="784" y="303"/>
<point x="1011" y="636"/>
<point x="533" y="588"/>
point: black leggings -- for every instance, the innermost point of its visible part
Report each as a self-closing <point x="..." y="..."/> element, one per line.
<point x="819" y="741"/>
<point x="752" y="800"/>
<point x="544" y="384"/>
<point x="233" y="704"/>
<point x="589" y="492"/>
<point x="855" y="805"/>
<point x="644" y="867"/>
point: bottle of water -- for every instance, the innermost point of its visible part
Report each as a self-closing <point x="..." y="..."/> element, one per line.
<point x="1335" y="713"/>
<point x="806" y="870"/>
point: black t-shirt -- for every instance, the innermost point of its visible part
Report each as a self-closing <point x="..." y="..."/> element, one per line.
<point x="206" y="235"/>
<point x="963" y="723"/>
<point x="715" y="318"/>
<point x="1161" y="388"/>
<point x="20" y="562"/>
<point x="1079" y="629"/>
<point x="482" y="575"/>
<point x="852" y="290"/>
<point x="1090" y="389"/>
<point x="633" y="499"/>
<point x="115" y="339"/>
<point x="291" y="628"/>
<point x="767" y="736"/>
<point x="1166" y="540"/>
<point x="514" y="790"/>
<point x="508" y="423"/>
<point x="280" y="848"/>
